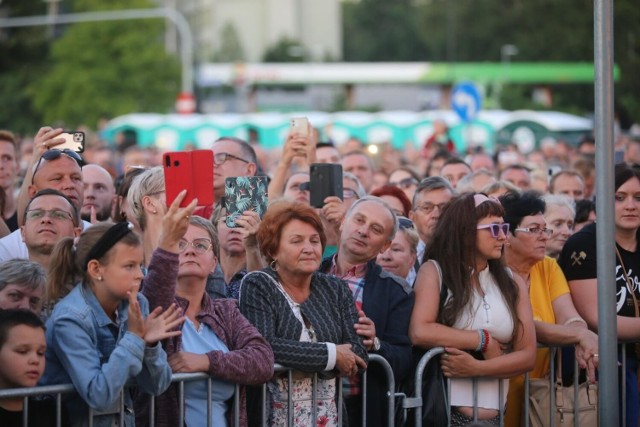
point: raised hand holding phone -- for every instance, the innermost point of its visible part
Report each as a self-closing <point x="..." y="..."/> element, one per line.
<point x="191" y="171"/>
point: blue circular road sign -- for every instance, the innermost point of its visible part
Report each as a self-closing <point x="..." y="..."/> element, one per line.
<point x="466" y="101"/>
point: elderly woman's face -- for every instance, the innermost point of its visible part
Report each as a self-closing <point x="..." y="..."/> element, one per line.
<point x="300" y="248"/>
<point x="196" y="258"/>
<point x="21" y="296"/>
<point x="560" y="220"/>
<point x="399" y="257"/>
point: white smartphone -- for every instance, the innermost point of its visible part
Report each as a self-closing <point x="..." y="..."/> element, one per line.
<point x="73" y="140"/>
<point x="299" y="125"/>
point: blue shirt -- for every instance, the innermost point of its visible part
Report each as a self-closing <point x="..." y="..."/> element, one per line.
<point x="99" y="356"/>
<point x="201" y="341"/>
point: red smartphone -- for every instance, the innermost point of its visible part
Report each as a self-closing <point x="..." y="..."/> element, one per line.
<point x="191" y="171"/>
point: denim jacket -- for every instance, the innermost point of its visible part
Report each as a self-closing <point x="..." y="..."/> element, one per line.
<point x="86" y="348"/>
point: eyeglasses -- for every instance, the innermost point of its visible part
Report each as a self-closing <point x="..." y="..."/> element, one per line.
<point x="349" y="193"/>
<point x="495" y="228"/>
<point x="53" y="154"/>
<point x="536" y="230"/>
<point x="199" y="245"/>
<point x="405" y="183"/>
<point x="405" y="223"/>
<point x="55" y="214"/>
<point x="427" y="208"/>
<point x="220" y="158"/>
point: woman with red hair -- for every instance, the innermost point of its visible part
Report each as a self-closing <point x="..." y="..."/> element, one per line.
<point x="308" y="317"/>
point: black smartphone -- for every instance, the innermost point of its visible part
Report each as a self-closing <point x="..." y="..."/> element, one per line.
<point x="325" y="181"/>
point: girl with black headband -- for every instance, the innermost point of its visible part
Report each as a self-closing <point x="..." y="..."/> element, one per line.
<point x="101" y="336"/>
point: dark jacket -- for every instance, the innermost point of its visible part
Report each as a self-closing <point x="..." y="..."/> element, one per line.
<point x="329" y="309"/>
<point x="249" y="360"/>
<point x="388" y="301"/>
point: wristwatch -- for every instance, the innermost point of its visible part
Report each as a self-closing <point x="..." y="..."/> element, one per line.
<point x="376" y="344"/>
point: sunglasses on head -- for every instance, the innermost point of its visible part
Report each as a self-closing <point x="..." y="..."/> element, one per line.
<point x="405" y="223"/>
<point x="496" y="228"/>
<point x="53" y="154"/>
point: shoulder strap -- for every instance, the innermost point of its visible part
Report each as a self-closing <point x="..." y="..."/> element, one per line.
<point x="443" y="287"/>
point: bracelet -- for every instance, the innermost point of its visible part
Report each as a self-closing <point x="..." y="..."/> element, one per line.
<point x="574" y="320"/>
<point x="481" y="343"/>
<point x="487" y="337"/>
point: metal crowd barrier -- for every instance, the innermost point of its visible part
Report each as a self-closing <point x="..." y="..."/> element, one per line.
<point x="65" y="389"/>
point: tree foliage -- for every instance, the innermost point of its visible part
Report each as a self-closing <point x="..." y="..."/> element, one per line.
<point x="22" y="51"/>
<point x="106" y="69"/>
<point x="230" y="45"/>
<point x="286" y="50"/>
<point x="475" y="30"/>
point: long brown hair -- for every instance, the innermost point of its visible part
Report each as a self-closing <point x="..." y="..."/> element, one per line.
<point x="68" y="262"/>
<point x="454" y="247"/>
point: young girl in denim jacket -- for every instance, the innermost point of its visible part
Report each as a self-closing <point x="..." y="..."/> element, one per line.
<point x="101" y="336"/>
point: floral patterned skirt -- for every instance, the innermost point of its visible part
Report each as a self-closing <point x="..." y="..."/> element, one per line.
<point x="326" y="413"/>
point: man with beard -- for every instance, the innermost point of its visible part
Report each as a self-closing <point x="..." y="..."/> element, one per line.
<point x="99" y="193"/>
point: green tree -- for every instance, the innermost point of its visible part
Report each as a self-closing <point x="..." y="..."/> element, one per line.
<point x="382" y="30"/>
<point x="230" y="45"/>
<point x="106" y="69"/>
<point x="286" y="50"/>
<point x="21" y="61"/>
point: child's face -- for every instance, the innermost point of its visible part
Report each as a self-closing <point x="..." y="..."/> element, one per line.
<point x="123" y="272"/>
<point x="22" y="357"/>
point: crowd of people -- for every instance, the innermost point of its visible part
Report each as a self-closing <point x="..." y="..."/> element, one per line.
<point x="102" y="284"/>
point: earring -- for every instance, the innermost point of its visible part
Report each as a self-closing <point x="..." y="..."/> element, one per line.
<point x="100" y="278"/>
<point x="273" y="265"/>
<point x="155" y="212"/>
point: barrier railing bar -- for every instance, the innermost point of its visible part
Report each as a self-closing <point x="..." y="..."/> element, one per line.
<point x="152" y="412"/>
<point x="290" y="398"/>
<point x="25" y="411"/>
<point x="363" y="403"/>
<point x="181" y="403"/>
<point x="340" y="399"/>
<point x="209" y="397"/>
<point x="526" y="399"/>
<point x="59" y="410"/>
<point x="236" y="405"/>
<point x="552" y="380"/>
<point x="418" y="380"/>
<point x="390" y="382"/>
<point x="624" y="384"/>
<point x="314" y="398"/>
<point x="501" y="402"/>
<point x="576" y="392"/>
<point x="122" y="407"/>
<point x="474" y="382"/>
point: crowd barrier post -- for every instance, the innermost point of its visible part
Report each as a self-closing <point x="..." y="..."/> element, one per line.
<point x="391" y="389"/>
<point x="426" y="358"/>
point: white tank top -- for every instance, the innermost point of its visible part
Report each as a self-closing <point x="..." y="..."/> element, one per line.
<point x="492" y="314"/>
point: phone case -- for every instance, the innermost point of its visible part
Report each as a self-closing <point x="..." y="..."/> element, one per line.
<point x="190" y="170"/>
<point x="299" y="125"/>
<point x="325" y="181"/>
<point x="74" y="141"/>
<point x="245" y="193"/>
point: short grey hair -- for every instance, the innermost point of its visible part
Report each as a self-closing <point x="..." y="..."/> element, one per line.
<point x="206" y="225"/>
<point x="382" y="203"/>
<point x="22" y="272"/>
<point x="559" y="200"/>
<point x="430" y="184"/>
<point x="150" y="182"/>
<point x="466" y="183"/>
<point x="360" y="191"/>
